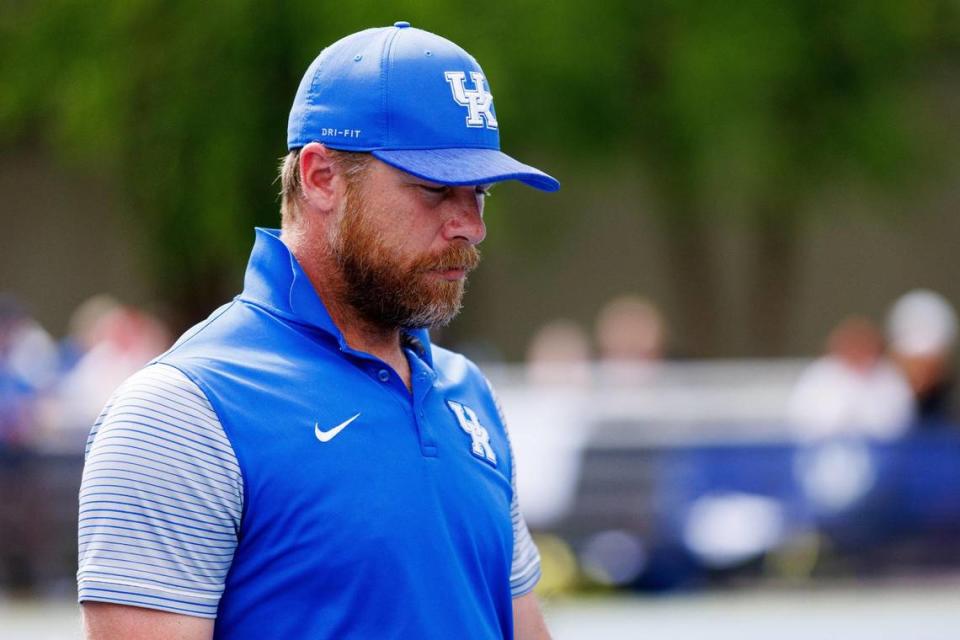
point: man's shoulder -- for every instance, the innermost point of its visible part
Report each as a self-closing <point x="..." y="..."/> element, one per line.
<point x="160" y="399"/>
<point x="234" y="333"/>
<point x="457" y="372"/>
<point x="205" y="333"/>
<point x="455" y="367"/>
<point x="158" y="379"/>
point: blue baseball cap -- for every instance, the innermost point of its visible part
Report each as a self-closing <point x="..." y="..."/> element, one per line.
<point x="414" y="100"/>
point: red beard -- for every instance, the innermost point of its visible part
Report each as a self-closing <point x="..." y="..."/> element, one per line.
<point x="393" y="292"/>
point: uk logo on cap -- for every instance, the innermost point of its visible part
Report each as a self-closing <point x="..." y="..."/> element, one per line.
<point x="478" y="101"/>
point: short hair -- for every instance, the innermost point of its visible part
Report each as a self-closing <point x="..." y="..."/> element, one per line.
<point x="350" y="164"/>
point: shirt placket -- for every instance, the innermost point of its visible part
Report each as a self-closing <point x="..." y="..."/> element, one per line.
<point x="422" y="379"/>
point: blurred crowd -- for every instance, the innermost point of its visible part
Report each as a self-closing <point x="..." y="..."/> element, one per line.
<point x="630" y="339"/>
<point x="880" y="388"/>
<point x="872" y="382"/>
<point x="51" y="391"/>
<point x="850" y="470"/>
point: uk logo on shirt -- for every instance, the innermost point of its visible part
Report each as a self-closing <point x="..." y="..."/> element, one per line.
<point x="479" y="436"/>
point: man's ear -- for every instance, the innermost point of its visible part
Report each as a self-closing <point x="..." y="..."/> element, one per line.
<point x="322" y="186"/>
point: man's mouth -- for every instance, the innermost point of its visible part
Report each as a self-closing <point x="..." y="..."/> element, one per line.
<point x="452" y="265"/>
<point x="451" y="273"/>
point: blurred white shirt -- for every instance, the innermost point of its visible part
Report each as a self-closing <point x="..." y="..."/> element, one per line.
<point x="833" y="399"/>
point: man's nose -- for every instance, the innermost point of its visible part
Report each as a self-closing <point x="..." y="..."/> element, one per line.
<point x="466" y="220"/>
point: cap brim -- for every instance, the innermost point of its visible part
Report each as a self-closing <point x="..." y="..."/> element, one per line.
<point x="459" y="167"/>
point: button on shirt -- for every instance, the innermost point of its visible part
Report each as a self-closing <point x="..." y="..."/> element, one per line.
<point x="264" y="473"/>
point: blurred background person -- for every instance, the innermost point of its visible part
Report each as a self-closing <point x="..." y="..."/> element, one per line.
<point x="852" y="390"/>
<point x="922" y="328"/>
<point x="83" y="330"/>
<point x="631" y="337"/>
<point x="108" y="342"/>
<point x="559" y="353"/>
<point x="28" y="366"/>
<point x="547" y="412"/>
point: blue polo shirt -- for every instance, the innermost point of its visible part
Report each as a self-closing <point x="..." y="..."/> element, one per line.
<point x="265" y="473"/>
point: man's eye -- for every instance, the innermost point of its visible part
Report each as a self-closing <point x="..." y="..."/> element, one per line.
<point x="437" y="190"/>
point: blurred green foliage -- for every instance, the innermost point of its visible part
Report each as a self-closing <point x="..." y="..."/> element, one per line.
<point x="731" y="109"/>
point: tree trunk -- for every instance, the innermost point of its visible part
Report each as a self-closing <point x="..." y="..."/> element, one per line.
<point x="773" y="280"/>
<point x="692" y="270"/>
<point x="209" y="289"/>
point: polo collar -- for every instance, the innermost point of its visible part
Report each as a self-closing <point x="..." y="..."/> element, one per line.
<point x="276" y="281"/>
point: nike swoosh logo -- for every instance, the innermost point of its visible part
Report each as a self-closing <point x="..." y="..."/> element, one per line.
<point x="327" y="436"/>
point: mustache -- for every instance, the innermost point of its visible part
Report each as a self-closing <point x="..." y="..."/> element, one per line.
<point x="466" y="257"/>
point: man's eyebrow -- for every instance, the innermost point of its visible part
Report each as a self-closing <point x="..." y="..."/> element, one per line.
<point x="414" y="181"/>
<point x="423" y="182"/>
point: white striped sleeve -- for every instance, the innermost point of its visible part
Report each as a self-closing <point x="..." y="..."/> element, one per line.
<point x="161" y="499"/>
<point x="525" y="568"/>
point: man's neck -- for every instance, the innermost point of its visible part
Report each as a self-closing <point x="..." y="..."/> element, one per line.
<point x="360" y="333"/>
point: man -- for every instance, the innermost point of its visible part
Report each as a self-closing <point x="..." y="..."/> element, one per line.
<point x="304" y="463"/>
